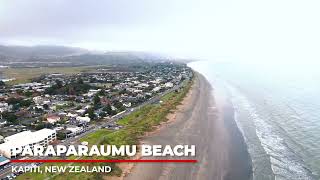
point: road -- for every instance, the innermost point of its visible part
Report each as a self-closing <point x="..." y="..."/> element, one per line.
<point x="199" y="122"/>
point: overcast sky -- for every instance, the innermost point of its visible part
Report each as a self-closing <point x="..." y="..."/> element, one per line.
<point x="268" y="30"/>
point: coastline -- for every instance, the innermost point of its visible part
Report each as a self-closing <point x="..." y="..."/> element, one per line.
<point x="221" y="150"/>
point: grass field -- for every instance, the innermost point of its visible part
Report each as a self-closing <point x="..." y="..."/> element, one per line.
<point x="24" y="75"/>
<point x="135" y="126"/>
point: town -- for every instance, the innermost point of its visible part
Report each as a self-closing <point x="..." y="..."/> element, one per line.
<point x="58" y="109"/>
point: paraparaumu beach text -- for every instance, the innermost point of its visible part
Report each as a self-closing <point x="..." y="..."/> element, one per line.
<point x="106" y="150"/>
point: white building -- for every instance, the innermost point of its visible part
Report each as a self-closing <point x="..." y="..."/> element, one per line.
<point x="156" y="89"/>
<point x="72" y="115"/>
<point x="83" y="119"/>
<point x="127" y="104"/>
<point x="75" y="130"/>
<point x="168" y="85"/>
<point x="39" y="100"/>
<point x="26" y="138"/>
<point x="4" y="107"/>
<point x="93" y="92"/>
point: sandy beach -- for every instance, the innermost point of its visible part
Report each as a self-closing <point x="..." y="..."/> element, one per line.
<point x="201" y="121"/>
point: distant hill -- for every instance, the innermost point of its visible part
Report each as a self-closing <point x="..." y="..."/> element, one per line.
<point x="26" y="52"/>
<point x="21" y="56"/>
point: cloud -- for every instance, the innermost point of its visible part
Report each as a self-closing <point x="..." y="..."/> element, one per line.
<point x="248" y="30"/>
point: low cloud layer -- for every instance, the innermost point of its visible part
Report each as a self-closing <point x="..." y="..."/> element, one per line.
<point x="247" y="30"/>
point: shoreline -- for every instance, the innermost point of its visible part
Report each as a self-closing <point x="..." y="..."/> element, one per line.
<point x="223" y="153"/>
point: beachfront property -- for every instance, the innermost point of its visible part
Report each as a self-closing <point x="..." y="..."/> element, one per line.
<point x="42" y="137"/>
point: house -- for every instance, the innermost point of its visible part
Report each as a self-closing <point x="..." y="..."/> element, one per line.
<point x="83" y="119"/>
<point x="75" y="130"/>
<point x="168" y="85"/>
<point x="4" y="107"/>
<point x="156" y="89"/>
<point x="53" y="119"/>
<point x="93" y="92"/>
<point x="71" y="115"/>
<point x="127" y="104"/>
<point x="37" y="100"/>
<point x="81" y="111"/>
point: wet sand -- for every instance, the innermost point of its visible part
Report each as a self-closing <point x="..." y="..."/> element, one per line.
<point x="207" y="123"/>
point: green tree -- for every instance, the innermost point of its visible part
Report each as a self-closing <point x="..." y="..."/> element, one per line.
<point x="102" y="114"/>
<point x="28" y="93"/>
<point x="61" y="136"/>
<point x="108" y="109"/>
<point x="59" y="84"/>
<point x="91" y="114"/>
<point x="13" y="100"/>
<point x="96" y="100"/>
<point x="25" y="103"/>
<point x="10" y="117"/>
<point x="119" y="105"/>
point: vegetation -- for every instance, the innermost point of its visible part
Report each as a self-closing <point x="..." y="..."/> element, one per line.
<point x="109" y="110"/>
<point x="2" y="84"/>
<point x="74" y="88"/>
<point x="10" y="117"/>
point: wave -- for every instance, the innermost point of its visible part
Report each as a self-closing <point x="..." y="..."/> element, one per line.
<point x="285" y="164"/>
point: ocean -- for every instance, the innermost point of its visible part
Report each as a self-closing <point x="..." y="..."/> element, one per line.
<point x="277" y="109"/>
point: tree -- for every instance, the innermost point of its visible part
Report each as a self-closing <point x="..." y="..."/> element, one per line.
<point x="10" y="117"/>
<point x="96" y="100"/>
<point x="91" y="114"/>
<point x="102" y="114"/>
<point x="25" y="103"/>
<point x="119" y="106"/>
<point x="61" y="136"/>
<point x="59" y="84"/>
<point x="13" y="100"/>
<point x="2" y="84"/>
<point x="108" y="109"/>
<point x="79" y="81"/>
<point x="28" y="93"/>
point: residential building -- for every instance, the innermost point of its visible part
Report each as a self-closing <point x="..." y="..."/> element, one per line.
<point x="53" y="119"/>
<point x="83" y="119"/>
<point x="42" y="137"/>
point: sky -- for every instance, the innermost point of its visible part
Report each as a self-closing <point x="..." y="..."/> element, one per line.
<point x="248" y="30"/>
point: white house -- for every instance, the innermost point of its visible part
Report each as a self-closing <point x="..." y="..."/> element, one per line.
<point x="156" y="89"/>
<point x="4" y="107"/>
<point x="83" y="119"/>
<point x="75" y="130"/>
<point x="168" y="85"/>
<point x="127" y="104"/>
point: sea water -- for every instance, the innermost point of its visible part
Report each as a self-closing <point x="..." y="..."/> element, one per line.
<point x="277" y="109"/>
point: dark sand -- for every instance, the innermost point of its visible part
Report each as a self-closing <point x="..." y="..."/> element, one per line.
<point x="221" y="151"/>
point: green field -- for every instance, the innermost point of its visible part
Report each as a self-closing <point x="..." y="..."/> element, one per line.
<point x="135" y="126"/>
<point x="24" y="75"/>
